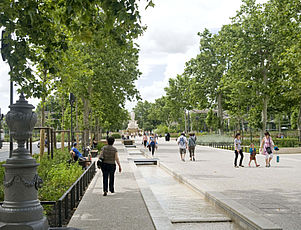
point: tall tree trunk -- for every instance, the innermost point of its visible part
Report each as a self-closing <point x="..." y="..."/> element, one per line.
<point x="279" y="126"/>
<point x="97" y="129"/>
<point x="220" y="114"/>
<point x="265" y="103"/>
<point x="264" y="115"/>
<point x="86" y="121"/>
<point x="42" y="131"/>
<point x="63" y="127"/>
<point x="76" y="116"/>
<point x="299" y="122"/>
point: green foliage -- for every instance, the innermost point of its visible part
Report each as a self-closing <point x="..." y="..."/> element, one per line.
<point x="57" y="175"/>
<point x="2" y="170"/>
<point x="100" y="145"/>
<point x="116" y="135"/>
<point x="161" y="129"/>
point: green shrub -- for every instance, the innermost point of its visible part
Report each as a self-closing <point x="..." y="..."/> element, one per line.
<point x="116" y="135"/>
<point x="100" y="145"/>
<point x="2" y="170"/>
<point x="57" y="175"/>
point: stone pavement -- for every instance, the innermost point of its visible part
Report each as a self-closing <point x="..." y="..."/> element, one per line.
<point x="272" y="194"/>
<point x="124" y="210"/>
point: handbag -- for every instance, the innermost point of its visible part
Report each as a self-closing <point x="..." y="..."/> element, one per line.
<point x="268" y="149"/>
<point x="99" y="163"/>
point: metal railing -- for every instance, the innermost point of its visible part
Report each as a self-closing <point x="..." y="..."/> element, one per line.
<point x="63" y="208"/>
<point x="227" y="145"/>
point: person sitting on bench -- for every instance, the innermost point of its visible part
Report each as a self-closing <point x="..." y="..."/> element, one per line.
<point x="76" y="155"/>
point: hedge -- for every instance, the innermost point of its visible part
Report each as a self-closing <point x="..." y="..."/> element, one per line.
<point x="57" y="175"/>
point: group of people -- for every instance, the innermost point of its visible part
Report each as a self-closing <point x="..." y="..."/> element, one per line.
<point x="109" y="154"/>
<point x="267" y="148"/>
<point x="150" y="142"/>
<point x="189" y="144"/>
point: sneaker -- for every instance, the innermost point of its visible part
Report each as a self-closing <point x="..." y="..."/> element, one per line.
<point x="236" y="166"/>
<point x="257" y="165"/>
<point x="183" y="160"/>
<point x="193" y="159"/>
<point x="105" y="193"/>
<point x="242" y="166"/>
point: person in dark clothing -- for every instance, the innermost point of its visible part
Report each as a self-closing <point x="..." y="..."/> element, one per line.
<point x="238" y="150"/>
<point x="109" y="156"/>
<point x="152" y="143"/>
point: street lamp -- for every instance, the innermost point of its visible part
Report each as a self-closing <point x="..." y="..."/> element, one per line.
<point x="21" y="208"/>
<point x="71" y="100"/>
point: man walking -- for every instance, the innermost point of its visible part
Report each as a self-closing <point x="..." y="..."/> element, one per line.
<point x="182" y="143"/>
<point x="191" y="145"/>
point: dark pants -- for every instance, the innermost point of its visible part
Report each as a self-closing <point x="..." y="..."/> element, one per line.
<point x="191" y="151"/>
<point x="144" y="142"/>
<point x="153" y="149"/>
<point x="236" y="156"/>
<point x="108" y="171"/>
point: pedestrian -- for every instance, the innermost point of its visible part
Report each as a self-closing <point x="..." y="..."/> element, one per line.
<point x="182" y="143"/>
<point x="266" y="148"/>
<point x="238" y="150"/>
<point x="94" y="143"/>
<point x="252" y="151"/>
<point x="152" y="143"/>
<point x="145" y="140"/>
<point x="168" y="137"/>
<point x="77" y="156"/>
<point x="109" y="156"/>
<point x="191" y="145"/>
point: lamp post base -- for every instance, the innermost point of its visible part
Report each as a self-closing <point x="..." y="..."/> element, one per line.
<point x="37" y="225"/>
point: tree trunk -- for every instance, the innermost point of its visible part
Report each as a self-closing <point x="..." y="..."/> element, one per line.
<point x="264" y="116"/>
<point x="42" y="131"/>
<point x="76" y="116"/>
<point x="220" y="114"/>
<point x="63" y="127"/>
<point x="86" y="121"/>
<point x="279" y="126"/>
<point x="265" y="103"/>
<point x="299" y="122"/>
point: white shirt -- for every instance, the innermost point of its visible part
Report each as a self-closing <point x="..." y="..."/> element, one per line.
<point x="181" y="145"/>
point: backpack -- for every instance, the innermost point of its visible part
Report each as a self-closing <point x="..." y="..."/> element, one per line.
<point x="182" y="141"/>
<point x="152" y="141"/>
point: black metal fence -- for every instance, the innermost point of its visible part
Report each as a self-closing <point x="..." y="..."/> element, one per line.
<point x="227" y="145"/>
<point x="62" y="209"/>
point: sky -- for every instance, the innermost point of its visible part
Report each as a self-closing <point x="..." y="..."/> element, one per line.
<point x="170" y="40"/>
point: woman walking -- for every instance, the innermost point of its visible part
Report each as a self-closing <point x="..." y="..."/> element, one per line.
<point x="238" y="150"/>
<point x="109" y="155"/>
<point x="144" y="140"/>
<point x="266" y="148"/>
<point x="152" y="143"/>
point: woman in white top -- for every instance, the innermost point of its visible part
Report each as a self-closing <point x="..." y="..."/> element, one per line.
<point x="238" y="150"/>
<point x="266" y="148"/>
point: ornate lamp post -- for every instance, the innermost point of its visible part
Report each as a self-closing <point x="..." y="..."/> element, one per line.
<point x="21" y="208"/>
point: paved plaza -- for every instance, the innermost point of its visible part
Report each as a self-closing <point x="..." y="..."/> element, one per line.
<point x="273" y="193"/>
<point x="270" y="197"/>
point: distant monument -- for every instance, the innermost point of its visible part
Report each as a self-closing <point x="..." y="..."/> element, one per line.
<point x="132" y="126"/>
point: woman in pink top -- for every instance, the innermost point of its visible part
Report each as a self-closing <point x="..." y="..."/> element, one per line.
<point x="266" y="148"/>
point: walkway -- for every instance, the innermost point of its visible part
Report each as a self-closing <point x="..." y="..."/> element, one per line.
<point x="272" y="193"/>
<point x="124" y="210"/>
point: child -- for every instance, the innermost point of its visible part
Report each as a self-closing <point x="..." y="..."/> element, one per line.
<point x="253" y="155"/>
